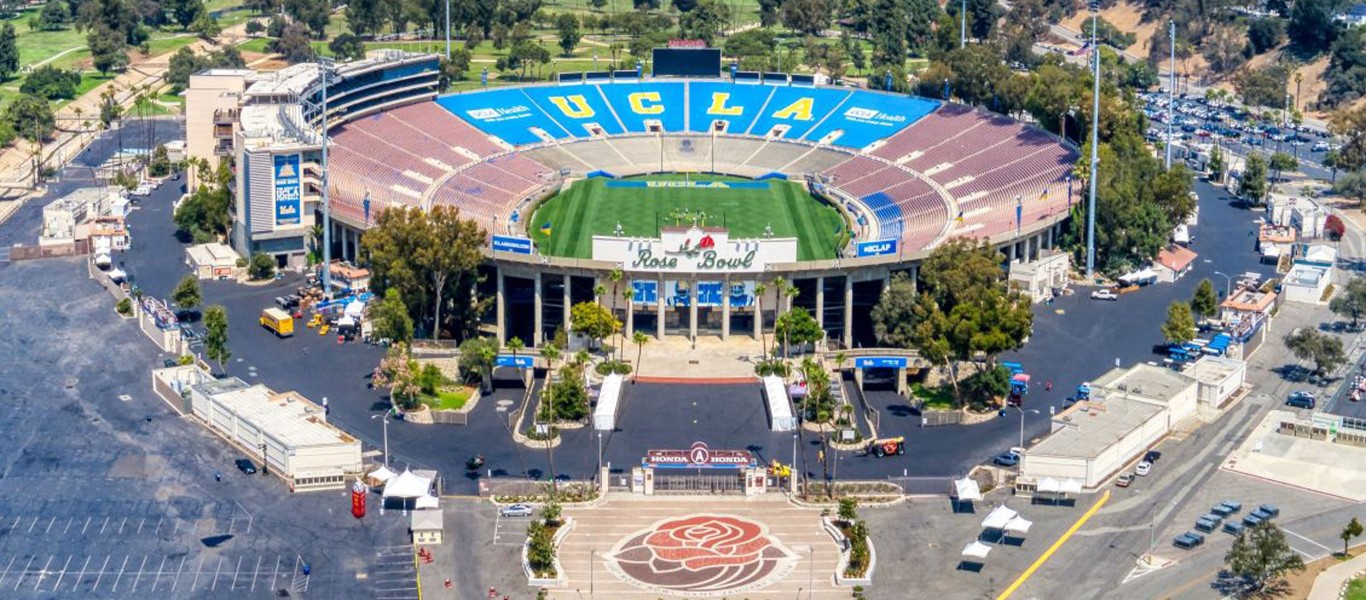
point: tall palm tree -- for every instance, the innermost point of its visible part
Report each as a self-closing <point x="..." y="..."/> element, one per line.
<point x="514" y="346"/>
<point x="615" y="277"/>
<point x="759" y="290"/>
<point x="640" y="339"/>
<point x="550" y="353"/>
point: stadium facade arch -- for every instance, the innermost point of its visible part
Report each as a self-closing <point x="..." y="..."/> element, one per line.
<point x="904" y="174"/>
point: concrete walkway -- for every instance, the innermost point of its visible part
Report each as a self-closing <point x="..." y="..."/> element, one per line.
<point x="1329" y="584"/>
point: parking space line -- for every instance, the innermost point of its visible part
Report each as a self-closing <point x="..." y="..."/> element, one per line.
<point x="177" y="573"/>
<point x="275" y="575"/>
<point x="1307" y="539"/>
<point x="158" y="530"/>
<point x="62" y="575"/>
<point x="77" y="583"/>
<point x="16" y="522"/>
<point x="118" y="578"/>
<point x="138" y="577"/>
<point x="160" y="568"/>
<point x="50" y="524"/>
<point x="87" y="525"/>
<point x="101" y="575"/>
<point x="39" y="578"/>
<point x="176" y="528"/>
<point x="197" y="570"/>
<point x="7" y="567"/>
<point x="256" y="573"/>
<point x="121" y="524"/>
<point x="141" y="522"/>
<point x="106" y="524"/>
<point x="68" y="525"/>
<point x="216" y="571"/>
<point x="20" y="579"/>
<point x="33" y="524"/>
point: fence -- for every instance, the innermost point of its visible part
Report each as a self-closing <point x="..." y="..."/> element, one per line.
<point x="77" y="248"/>
<point x="870" y="414"/>
<point x="450" y="417"/>
<point x="939" y="418"/>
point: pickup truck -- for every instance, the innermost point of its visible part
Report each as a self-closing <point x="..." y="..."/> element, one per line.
<point x="1104" y="294"/>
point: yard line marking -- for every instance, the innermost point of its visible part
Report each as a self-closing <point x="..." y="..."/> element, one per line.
<point x="68" y="525"/>
<point x="256" y="573"/>
<point x="58" y="586"/>
<point x="77" y="583"/>
<point x="216" y="571"/>
<point x="159" y="569"/>
<point x="139" y="575"/>
<point x="197" y="570"/>
<point x="122" y="567"/>
<point x="87" y="525"/>
<point x="1054" y="548"/>
<point x="1307" y="539"/>
<point x="177" y="573"/>
<point x="6" y="573"/>
<point x="40" y="573"/>
<point x="101" y="575"/>
<point x="49" y="525"/>
<point x="20" y="579"/>
<point x="106" y="524"/>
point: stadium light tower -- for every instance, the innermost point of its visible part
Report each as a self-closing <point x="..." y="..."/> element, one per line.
<point x="325" y="66"/>
<point x="963" y="27"/>
<point x="1171" y="92"/>
<point x="448" y="30"/>
<point x="1095" y="142"/>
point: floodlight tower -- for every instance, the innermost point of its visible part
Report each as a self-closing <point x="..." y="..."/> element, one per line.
<point x="1171" y="92"/>
<point x="1095" y="143"/>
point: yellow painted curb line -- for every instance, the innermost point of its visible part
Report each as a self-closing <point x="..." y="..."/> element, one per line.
<point x="1054" y="548"/>
<point x="417" y="568"/>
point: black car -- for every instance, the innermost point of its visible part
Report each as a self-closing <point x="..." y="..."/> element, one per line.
<point x="246" y="466"/>
<point x="1152" y="456"/>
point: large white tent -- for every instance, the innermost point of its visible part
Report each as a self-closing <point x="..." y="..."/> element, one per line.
<point x="976" y="550"/>
<point x="407" y="485"/>
<point x="426" y="502"/>
<point x="381" y="475"/>
<point x="967" y="490"/>
<point x="1018" y="525"/>
<point x="999" y="517"/>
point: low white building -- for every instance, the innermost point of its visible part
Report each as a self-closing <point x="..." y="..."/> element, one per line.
<point x="211" y="261"/>
<point x="1043" y="278"/>
<point x="1130" y="410"/>
<point x="1219" y="378"/>
<point x="288" y="430"/>
<point x="1306" y="283"/>
<point x="1173" y="262"/>
<point x="427" y="526"/>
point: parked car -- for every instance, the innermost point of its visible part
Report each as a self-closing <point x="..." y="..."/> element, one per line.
<point x="515" y="510"/>
<point x="1006" y="459"/>
<point x="245" y="466"/>
<point x="1124" y="480"/>
<point x="168" y="363"/>
<point x="1301" y="399"/>
<point x="1269" y="510"/>
<point x="1253" y="520"/>
<point x="1233" y="527"/>
<point x="1104" y="294"/>
<point x="1143" y="468"/>
<point x="1152" y="456"/>
<point x="1188" y="540"/>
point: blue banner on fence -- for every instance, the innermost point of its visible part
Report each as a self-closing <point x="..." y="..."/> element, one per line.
<point x="508" y="360"/>
<point x="876" y="248"/>
<point x="513" y="244"/>
<point x="872" y="362"/>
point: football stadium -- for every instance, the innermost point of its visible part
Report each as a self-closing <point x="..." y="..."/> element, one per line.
<point x="696" y="188"/>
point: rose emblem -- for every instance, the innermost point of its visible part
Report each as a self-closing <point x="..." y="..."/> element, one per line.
<point x="701" y="555"/>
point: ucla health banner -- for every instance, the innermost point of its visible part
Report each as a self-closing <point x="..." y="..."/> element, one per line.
<point x="876" y="248"/>
<point x="287" y="195"/>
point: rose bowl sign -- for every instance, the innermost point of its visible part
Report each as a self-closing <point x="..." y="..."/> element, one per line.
<point x="699" y="456"/>
<point x="694" y="249"/>
<point x="701" y="556"/>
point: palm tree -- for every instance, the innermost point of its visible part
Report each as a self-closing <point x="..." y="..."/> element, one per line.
<point x="550" y="353"/>
<point x="759" y="290"/>
<point x="514" y="346"/>
<point x="640" y="339"/>
<point x="615" y="277"/>
<point x="599" y="291"/>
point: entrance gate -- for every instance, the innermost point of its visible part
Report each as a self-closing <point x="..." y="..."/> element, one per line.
<point x="699" y="470"/>
<point x="694" y="481"/>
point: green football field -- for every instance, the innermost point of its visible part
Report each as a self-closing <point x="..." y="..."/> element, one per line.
<point x="590" y="207"/>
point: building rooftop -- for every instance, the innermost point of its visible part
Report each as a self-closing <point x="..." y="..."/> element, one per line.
<point x="1305" y="274"/>
<point x="1212" y="369"/>
<point x="427" y="520"/>
<point x="1142" y="380"/>
<point x="1089" y="427"/>
<point x="1249" y="300"/>
<point x="288" y="417"/>
<point x="212" y="253"/>
<point x="1176" y="258"/>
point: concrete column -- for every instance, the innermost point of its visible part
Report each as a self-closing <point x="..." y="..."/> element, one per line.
<point x="630" y="319"/>
<point x="538" y="321"/>
<point x="725" y="308"/>
<point x="820" y="302"/>
<point x="848" y="312"/>
<point x="692" y="309"/>
<point x="567" y="298"/>
<point x="1033" y="243"/>
<point x="758" y="316"/>
<point x="500" y="304"/>
<point x="1052" y="230"/>
<point x="659" y="308"/>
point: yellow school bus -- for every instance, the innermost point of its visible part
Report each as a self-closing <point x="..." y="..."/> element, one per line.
<point x="277" y="321"/>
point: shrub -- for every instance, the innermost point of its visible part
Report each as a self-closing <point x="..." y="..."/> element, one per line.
<point x="262" y="266"/>
<point x="241" y="262"/>
<point x="608" y="367"/>
<point x="124" y="307"/>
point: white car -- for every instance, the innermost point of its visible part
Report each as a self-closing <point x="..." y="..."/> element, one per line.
<point x="1104" y="294"/>
<point x="515" y="510"/>
<point x="1143" y="468"/>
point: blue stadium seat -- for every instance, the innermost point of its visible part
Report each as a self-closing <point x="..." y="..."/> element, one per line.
<point x="888" y="214"/>
<point x="735" y="103"/>
<point x="800" y="108"/>
<point x="576" y="107"/>
<point x="506" y="113"/>
<point x="637" y="102"/>
<point x="869" y="116"/>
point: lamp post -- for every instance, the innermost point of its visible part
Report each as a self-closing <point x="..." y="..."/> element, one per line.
<point x="1022" y="419"/>
<point x="963" y="28"/>
<point x="385" y="420"/>
<point x="325" y="66"/>
<point x="1228" y="283"/>
<point x="1095" y="141"/>
<point x="1171" y="94"/>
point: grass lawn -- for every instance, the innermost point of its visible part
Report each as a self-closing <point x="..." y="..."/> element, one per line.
<point x="590" y="207"/>
<point x="448" y="399"/>
<point x="935" y="398"/>
<point x="257" y="45"/>
<point x="1356" y="590"/>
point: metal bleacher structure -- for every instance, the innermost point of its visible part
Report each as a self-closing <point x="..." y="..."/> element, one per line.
<point x="915" y="170"/>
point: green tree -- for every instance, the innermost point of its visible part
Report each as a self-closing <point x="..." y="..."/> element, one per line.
<point x="797" y="326"/>
<point x="1353" y="529"/>
<point x="54" y="16"/>
<point x="1349" y="125"/>
<point x="594" y="321"/>
<point x="397" y="372"/>
<point x="293" y="44"/>
<point x="347" y="47"/>
<point x="1216" y="164"/>
<point x="184" y="12"/>
<point x="706" y="21"/>
<point x="1265" y="34"/>
<point x="1206" y="302"/>
<point x="986" y="385"/>
<point x="477" y="358"/>
<point x="1180" y="325"/>
<point x="262" y="266"/>
<point x="107" y="49"/>
<point x="808" y="17"/>
<point x="9" y="51"/>
<point x="429" y="256"/>
<point x="1312" y="27"/>
<point x="1261" y="556"/>
<point x="1352" y="185"/>
<point x="1264" y="86"/>
<point x="1324" y="350"/>
<point x="187" y="295"/>
<point x="365" y="16"/>
<point x="1282" y="162"/>
<point x="894" y="314"/>
<point x="32" y="118"/>
<point x="568" y="26"/>
<point x="1351" y="302"/>
<point x="206" y="26"/>
<point x="640" y="340"/>
<point x="204" y="216"/>
<point x="216" y="335"/>
<point x="391" y="319"/>
<point x="1252" y="183"/>
<point x="312" y="14"/>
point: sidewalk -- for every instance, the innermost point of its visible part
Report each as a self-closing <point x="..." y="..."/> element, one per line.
<point x="1329" y="584"/>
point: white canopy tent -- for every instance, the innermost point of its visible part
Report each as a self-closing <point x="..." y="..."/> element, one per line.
<point x="967" y="490"/>
<point x="1070" y="486"/>
<point x="407" y="485"/>
<point x="997" y="519"/>
<point x="1019" y="525"/>
<point x="1048" y="485"/>
<point x="427" y="502"/>
<point x="605" y="416"/>
<point x="976" y="550"/>
<point x="354" y="309"/>
<point x="382" y="474"/>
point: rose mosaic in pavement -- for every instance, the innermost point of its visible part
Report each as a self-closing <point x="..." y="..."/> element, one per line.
<point x="702" y="555"/>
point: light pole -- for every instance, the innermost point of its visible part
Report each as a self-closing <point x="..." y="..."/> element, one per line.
<point x="1171" y="93"/>
<point x="1022" y="419"/>
<point x="385" y="418"/>
<point x="599" y="452"/>
<point x="448" y="30"/>
<point x="324" y="74"/>
<point x="1228" y="283"/>
<point x="1095" y="141"/>
<point x="963" y="31"/>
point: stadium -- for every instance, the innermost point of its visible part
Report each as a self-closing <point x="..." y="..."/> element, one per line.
<point x="697" y="188"/>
